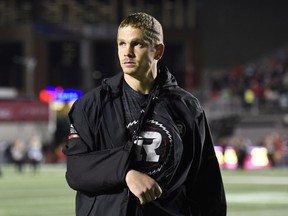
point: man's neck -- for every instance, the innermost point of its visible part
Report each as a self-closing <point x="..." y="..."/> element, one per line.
<point x="142" y="84"/>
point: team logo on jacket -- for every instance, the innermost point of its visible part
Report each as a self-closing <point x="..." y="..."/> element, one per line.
<point x="181" y="128"/>
<point x="73" y="133"/>
<point x="152" y="148"/>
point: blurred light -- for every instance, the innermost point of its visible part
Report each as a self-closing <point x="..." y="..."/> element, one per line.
<point x="58" y="94"/>
<point x="259" y="157"/>
<point x="6" y="92"/>
<point x="57" y="106"/>
<point x="256" y="158"/>
<point x="230" y="158"/>
<point x="219" y="155"/>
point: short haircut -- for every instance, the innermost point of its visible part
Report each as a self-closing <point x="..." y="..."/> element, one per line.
<point x="150" y="26"/>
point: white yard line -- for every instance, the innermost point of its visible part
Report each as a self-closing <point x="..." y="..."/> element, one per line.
<point x="258" y="198"/>
<point x="257" y="212"/>
<point x="268" y="180"/>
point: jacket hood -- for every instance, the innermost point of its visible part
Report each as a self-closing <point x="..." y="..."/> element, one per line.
<point x="164" y="79"/>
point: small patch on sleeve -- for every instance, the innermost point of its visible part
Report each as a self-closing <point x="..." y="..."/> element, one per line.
<point x="73" y="133"/>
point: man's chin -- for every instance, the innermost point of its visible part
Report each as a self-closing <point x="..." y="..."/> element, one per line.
<point x="128" y="70"/>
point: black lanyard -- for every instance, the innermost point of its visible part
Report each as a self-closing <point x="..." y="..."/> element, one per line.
<point x="143" y="114"/>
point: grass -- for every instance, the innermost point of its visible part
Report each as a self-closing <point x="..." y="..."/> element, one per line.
<point x="249" y="192"/>
<point x="256" y="192"/>
<point x="35" y="194"/>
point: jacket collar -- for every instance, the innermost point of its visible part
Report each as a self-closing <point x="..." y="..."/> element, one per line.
<point x="164" y="79"/>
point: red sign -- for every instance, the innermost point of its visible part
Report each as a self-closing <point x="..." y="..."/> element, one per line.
<point x="23" y="110"/>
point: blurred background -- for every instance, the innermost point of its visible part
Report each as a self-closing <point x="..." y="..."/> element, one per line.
<point x="232" y="55"/>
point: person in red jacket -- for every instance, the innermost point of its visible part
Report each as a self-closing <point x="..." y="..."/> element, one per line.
<point x="139" y="144"/>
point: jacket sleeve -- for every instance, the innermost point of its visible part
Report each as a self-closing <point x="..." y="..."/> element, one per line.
<point x="92" y="171"/>
<point x="206" y="188"/>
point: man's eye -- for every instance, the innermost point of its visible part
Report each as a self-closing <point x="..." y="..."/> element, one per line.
<point x="139" y="45"/>
<point x="121" y="44"/>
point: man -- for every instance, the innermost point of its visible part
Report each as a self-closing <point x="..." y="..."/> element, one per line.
<point x="139" y="144"/>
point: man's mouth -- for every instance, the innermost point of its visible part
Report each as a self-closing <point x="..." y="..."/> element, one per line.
<point x="129" y="63"/>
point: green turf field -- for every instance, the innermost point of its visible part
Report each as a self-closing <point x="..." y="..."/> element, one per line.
<point x="249" y="193"/>
<point x="42" y="194"/>
<point x="257" y="192"/>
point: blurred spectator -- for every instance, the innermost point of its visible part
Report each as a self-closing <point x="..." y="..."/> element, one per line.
<point x="249" y="98"/>
<point x="2" y="149"/>
<point x="61" y="157"/>
<point x="18" y="153"/>
<point x="275" y="147"/>
<point x="240" y="145"/>
<point x="284" y="161"/>
<point x="222" y="141"/>
<point x="34" y="153"/>
<point x="279" y="147"/>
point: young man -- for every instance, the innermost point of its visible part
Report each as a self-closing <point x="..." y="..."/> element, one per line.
<point x="139" y="144"/>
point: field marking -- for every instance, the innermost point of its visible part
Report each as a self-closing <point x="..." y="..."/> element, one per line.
<point x="258" y="212"/>
<point x="258" y="198"/>
<point x="265" y="180"/>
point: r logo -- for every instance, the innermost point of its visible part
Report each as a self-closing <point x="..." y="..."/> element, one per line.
<point x="149" y="141"/>
<point x="153" y="148"/>
<point x="181" y="128"/>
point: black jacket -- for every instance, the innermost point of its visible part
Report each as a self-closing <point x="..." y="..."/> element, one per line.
<point x="99" y="146"/>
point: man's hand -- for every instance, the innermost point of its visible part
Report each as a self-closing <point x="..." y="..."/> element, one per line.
<point x="145" y="188"/>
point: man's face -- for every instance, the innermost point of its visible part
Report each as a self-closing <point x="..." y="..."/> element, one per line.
<point x="136" y="54"/>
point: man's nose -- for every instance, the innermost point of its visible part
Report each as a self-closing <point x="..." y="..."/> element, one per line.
<point x="129" y="51"/>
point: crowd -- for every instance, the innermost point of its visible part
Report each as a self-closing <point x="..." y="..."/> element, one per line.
<point x="276" y="149"/>
<point x="260" y="85"/>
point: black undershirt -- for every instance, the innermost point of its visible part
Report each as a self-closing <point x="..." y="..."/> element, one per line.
<point x="133" y="103"/>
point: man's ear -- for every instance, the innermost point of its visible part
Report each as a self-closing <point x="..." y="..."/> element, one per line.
<point x="159" y="51"/>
